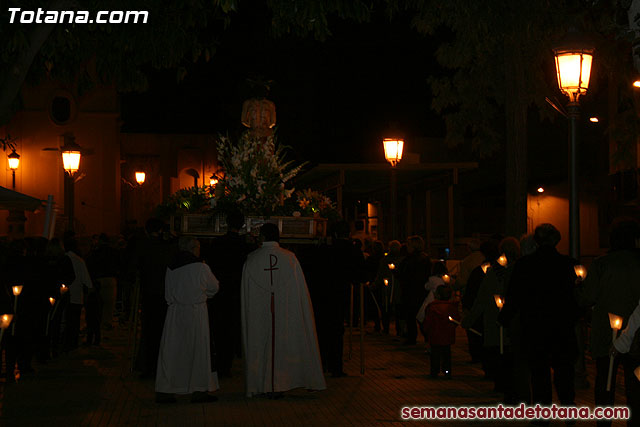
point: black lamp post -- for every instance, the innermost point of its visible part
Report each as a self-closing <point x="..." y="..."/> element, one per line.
<point x="14" y="162"/>
<point x="71" y="154"/>
<point x="393" y="153"/>
<point x="573" y="67"/>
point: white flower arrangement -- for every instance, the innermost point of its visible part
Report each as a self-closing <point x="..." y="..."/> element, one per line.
<point x="255" y="174"/>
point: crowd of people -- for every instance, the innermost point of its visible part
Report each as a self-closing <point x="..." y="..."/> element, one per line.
<point x="205" y="303"/>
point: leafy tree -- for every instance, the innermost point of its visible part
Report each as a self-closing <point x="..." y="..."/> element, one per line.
<point x="119" y="54"/>
<point x="499" y="54"/>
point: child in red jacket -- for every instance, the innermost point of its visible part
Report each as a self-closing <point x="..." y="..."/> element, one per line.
<point x="440" y="330"/>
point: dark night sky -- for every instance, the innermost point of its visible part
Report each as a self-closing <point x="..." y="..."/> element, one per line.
<point x="334" y="99"/>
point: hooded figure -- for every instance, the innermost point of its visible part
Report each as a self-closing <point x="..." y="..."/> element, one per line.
<point x="184" y="362"/>
<point x="278" y="327"/>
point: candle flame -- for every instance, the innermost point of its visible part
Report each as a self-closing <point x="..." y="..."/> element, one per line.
<point x="580" y="271"/>
<point x="502" y="260"/>
<point x="386" y="282"/>
<point x="446" y="278"/>
<point x="17" y="290"/>
<point x="52" y="300"/>
<point x="615" y="321"/>
<point x="499" y="301"/>
<point x="392" y="266"/>
<point x="485" y="267"/>
<point x="6" y="320"/>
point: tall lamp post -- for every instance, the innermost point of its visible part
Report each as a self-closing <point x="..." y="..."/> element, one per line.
<point x="71" y="153"/>
<point x="14" y="162"/>
<point x="393" y="153"/>
<point x="573" y="68"/>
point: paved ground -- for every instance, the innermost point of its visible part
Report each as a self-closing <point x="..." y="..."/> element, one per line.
<point x="93" y="386"/>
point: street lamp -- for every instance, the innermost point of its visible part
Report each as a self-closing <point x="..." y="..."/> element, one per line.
<point x="393" y="153"/>
<point x="71" y="153"/>
<point x="140" y="177"/>
<point x="14" y="162"/>
<point x="573" y="68"/>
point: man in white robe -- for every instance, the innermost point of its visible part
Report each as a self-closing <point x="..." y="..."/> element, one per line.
<point x="278" y="327"/>
<point x="184" y="361"/>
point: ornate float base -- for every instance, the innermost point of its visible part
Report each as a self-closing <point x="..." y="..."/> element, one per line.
<point x="215" y="225"/>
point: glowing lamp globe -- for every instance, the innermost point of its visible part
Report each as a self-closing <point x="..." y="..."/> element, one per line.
<point x="573" y="66"/>
<point x="393" y="150"/>
<point x="140" y="177"/>
<point x="14" y="160"/>
<point x="71" y="161"/>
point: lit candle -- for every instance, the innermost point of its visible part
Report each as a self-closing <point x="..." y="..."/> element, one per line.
<point x="485" y="267"/>
<point x="52" y="300"/>
<point x="615" y="322"/>
<point x="471" y="329"/>
<point x="502" y="260"/>
<point x="446" y="278"/>
<point x="581" y="272"/>
<point x="499" y="303"/>
<point x="63" y="289"/>
<point x="17" y="290"/>
<point x="5" y="320"/>
<point x="392" y="266"/>
<point x="386" y="282"/>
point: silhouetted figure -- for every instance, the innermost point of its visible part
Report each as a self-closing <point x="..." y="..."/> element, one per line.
<point x="612" y="285"/>
<point x="489" y="249"/>
<point x="413" y="272"/>
<point x="485" y="308"/>
<point x="81" y="281"/>
<point x="543" y="293"/>
<point x="154" y="253"/>
<point x="226" y="259"/>
<point x="387" y="289"/>
<point x="103" y="264"/>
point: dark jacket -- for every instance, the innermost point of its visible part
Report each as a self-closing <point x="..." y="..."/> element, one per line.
<point x="541" y="289"/>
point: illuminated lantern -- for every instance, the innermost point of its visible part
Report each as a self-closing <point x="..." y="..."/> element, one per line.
<point x="17" y="290"/>
<point x="393" y="150"/>
<point x="70" y="155"/>
<point x="140" y="177"/>
<point x="446" y="278"/>
<point x="573" y="67"/>
<point x="14" y="160"/>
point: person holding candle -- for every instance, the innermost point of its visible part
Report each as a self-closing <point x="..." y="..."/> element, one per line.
<point x="612" y="285"/>
<point x="386" y="288"/>
<point x="484" y="307"/>
<point x="489" y="249"/>
<point x="413" y="273"/>
<point x="440" y="330"/>
<point x="76" y="293"/>
<point x="540" y="290"/>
